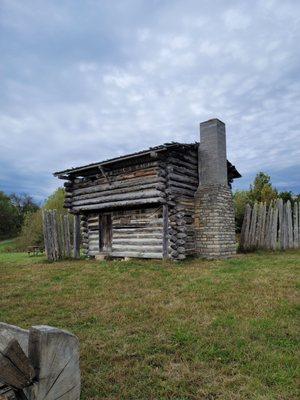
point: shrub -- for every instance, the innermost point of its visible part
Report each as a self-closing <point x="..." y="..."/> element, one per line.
<point x="32" y="229"/>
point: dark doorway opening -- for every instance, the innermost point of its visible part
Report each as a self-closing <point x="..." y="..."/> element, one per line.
<point x="105" y="232"/>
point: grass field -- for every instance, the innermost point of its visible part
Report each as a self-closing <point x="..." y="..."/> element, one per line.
<point x="162" y="330"/>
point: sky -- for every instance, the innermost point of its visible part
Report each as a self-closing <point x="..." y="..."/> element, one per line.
<point x="83" y="81"/>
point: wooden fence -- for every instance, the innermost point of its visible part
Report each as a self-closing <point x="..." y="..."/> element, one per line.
<point x="273" y="227"/>
<point x="60" y="230"/>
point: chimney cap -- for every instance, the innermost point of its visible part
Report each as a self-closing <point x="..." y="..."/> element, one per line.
<point x="212" y="121"/>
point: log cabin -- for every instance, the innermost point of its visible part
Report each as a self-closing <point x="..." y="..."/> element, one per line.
<point x="167" y="202"/>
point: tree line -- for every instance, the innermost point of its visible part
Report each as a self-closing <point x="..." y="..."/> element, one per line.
<point x="21" y="216"/>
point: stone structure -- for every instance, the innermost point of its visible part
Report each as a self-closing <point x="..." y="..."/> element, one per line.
<point x="214" y="212"/>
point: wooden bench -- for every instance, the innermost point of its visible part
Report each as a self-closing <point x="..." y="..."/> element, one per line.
<point x="35" y="250"/>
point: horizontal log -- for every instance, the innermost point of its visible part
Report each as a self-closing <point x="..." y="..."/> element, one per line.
<point x="137" y="231"/>
<point x="94" y="187"/>
<point x="94" y="249"/>
<point x="128" y="203"/>
<point x="188" y="186"/>
<point x="119" y="177"/>
<point x="136" y="247"/>
<point x="185" y="164"/>
<point x="134" y="220"/>
<point x="186" y="172"/>
<point x="119" y="197"/>
<point x="187" y="156"/>
<point x="176" y="193"/>
<point x="182" y="178"/>
<point x="117" y="235"/>
<point x="119" y="191"/>
<point x="136" y="241"/>
<point x="135" y="254"/>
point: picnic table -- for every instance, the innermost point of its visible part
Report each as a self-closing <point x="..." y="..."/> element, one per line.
<point x="35" y="250"/>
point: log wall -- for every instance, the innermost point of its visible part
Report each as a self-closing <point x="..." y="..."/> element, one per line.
<point x="137" y="196"/>
<point x="181" y="186"/>
<point x="138" y="233"/>
<point x="127" y="186"/>
<point x="90" y="234"/>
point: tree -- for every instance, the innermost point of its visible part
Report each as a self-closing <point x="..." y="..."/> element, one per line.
<point x="285" y="196"/>
<point x="32" y="230"/>
<point x="8" y="217"/>
<point x="56" y="201"/>
<point x="262" y="189"/>
<point x="240" y="198"/>
<point x="24" y="204"/>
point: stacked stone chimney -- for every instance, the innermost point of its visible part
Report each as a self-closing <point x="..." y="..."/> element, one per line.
<point x="214" y="212"/>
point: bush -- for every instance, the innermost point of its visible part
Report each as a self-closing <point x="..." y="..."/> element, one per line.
<point x="32" y="229"/>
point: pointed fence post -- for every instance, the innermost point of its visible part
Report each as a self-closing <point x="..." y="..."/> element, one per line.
<point x="296" y="225"/>
<point x="289" y="225"/>
<point x="76" y="239"/>
<point x="245" y="228"/>
<point x="299" y="224"/>
<point x="280" y="207"/>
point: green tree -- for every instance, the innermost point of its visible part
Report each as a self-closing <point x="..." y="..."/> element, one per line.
<point x="262" y="189"/>
<point x="240" y="199"/>
<point x="24" y="204"/>
<point x="56" y="201"/>
<point x="8" y="217"/>
<point x="285" y="196"/>
<point x="32" y="229"/>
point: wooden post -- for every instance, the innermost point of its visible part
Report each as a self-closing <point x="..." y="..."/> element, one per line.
<point x="165" y="231"/>
<point x="39" y="364"/>
<point x="76" y="238"/>
<point x="289" y="224"/>
<point x="44" y="215"/>
<point x="296" y="226"/>
<point x="67" y="235"/>
<point x="273" y="241"/>
<point x="263" y="226"/>
<point x="280" y="207"/>
<point x="54" y="354"/>
<point x="252" y="238"/>
<point x="299" y="224"/>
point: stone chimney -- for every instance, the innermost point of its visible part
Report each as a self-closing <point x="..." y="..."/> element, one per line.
<point x="214" y="212"/>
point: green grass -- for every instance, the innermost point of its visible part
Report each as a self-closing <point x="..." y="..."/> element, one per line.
<point x="8" y="245"/>
<point x="161" y="330"/>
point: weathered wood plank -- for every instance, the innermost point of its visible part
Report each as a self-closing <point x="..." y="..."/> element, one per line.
<point x="153" y="200"/>
<point x="15" y="368"/>
<point x="76" y="236"/>
<point x="55" y="357"/>
<point x="136" y="254"/>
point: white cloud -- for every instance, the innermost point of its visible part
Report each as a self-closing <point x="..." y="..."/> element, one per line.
<point x="153" y="80"/>
<point x="236" y="20"/>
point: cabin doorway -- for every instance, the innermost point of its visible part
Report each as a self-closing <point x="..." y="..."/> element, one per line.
<point x="105" y="232"/>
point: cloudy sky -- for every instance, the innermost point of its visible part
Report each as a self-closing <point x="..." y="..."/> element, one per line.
<point x="86" y="80"/>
